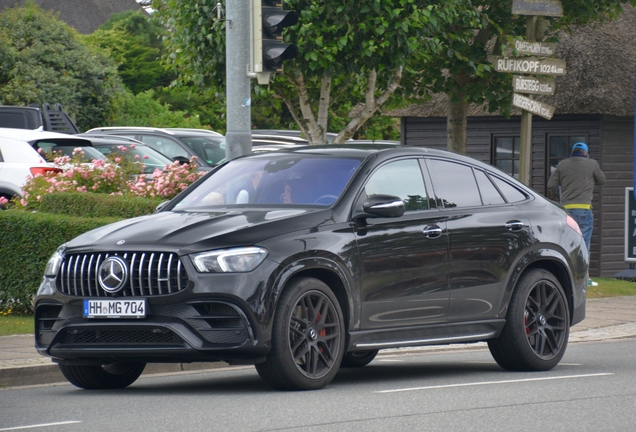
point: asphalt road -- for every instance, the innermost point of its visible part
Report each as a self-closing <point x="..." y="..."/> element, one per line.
<point x="593" y="389"/>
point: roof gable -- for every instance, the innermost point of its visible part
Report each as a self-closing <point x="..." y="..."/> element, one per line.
<point x="83" y="15"/>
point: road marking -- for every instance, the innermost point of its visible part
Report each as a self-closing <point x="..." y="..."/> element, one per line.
<point x="39" y="425"/>
<point x="492" y="382"/>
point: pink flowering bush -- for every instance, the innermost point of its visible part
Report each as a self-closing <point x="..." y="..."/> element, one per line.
<point x="167" y="183"/>
<point x="119" y="175"/>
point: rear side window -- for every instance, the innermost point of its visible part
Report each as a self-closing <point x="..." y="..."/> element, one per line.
<point x="511" y="193"/>
<point x="454" y="184"/>
<point x="489" y="193"/>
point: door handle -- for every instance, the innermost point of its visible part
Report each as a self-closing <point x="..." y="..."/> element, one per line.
<point x="432" y="232"/>
<point x="514" y="225"/>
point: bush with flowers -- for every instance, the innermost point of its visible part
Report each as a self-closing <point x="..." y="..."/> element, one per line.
<point x="119" y="175"/>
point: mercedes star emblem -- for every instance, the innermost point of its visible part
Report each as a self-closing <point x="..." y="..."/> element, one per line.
<point x="112" y="274"/>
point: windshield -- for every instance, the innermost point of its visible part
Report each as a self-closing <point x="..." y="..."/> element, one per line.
<point x="285" y="180"/>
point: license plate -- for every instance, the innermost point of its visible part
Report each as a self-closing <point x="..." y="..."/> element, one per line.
<point x="114" y="308"/>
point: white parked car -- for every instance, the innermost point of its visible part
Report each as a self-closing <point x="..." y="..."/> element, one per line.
<point x="19" y="160"/>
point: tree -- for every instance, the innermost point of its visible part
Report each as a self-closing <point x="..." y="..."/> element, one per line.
<point x="348" y="48"/>
<point x="468" y="76"/>
<point x="42" y="60"/>
<point x="134" y="41"/>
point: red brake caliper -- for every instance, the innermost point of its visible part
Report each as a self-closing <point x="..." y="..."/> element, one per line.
<point x="322" y="332"/>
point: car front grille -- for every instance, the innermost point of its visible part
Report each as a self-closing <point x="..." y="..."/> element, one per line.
<point x="150" y="274"/>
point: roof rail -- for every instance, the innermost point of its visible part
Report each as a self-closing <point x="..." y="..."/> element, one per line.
<point x="56" y="120"/>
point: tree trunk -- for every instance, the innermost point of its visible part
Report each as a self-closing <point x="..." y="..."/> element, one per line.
<point x="456" y="126"/>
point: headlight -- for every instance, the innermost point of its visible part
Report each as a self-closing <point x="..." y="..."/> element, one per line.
<point x="239" y="260"/>
<point x="53" y="266"/>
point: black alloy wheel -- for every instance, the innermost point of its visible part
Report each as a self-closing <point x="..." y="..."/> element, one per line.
<point x="109" y="376"/>
<point x="307" y="340"/>
<point x="537" y="325"/>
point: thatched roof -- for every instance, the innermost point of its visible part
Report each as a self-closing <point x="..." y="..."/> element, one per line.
<point x="601" y="69"/>
<point x="83" y="15"/>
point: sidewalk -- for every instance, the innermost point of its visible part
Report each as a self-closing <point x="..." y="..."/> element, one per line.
<point x="20" y="364"/>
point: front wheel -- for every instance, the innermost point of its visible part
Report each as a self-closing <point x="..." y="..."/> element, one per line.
<point x="537" y="325"/>
<point x="108" y="376"/>
<point x="307" y="338"/>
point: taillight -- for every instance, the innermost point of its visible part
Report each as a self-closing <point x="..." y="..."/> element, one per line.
<point x="35" y="171"/>
<point x="572" y="224"/>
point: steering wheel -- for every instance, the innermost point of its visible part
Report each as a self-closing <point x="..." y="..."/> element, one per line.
<point x="332" y="198"/>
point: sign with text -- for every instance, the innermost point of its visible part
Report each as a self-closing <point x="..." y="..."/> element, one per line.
<point x="529" y="65"/>
<point x="537" y="7"/>
<point x="525" y="84"/>
<point x="541" y="49"/>
<point x="535" y="107"/>
<point x="630" y="225"/>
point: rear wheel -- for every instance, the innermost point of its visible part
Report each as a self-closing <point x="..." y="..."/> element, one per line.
<point x="358" y="359"/>
<point x="307" y="338"/>
<point x="537" y="325"/>
<point x="108" y="376"/>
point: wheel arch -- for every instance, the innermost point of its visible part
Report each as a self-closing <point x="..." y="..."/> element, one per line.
<point x="327" y="271"/>
<point x="9" y="192"/>
<point x="556" y="264"/>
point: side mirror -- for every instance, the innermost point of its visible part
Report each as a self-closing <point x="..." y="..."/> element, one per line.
<point x="384" y="206"/>
<point x="161" y="206"/>
<point x="181" y="159"/>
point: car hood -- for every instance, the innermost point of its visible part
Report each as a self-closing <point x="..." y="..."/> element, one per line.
<point x="187" y="232"/>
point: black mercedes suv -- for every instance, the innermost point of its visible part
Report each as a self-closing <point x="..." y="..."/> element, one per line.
<point x="305" y="260"/>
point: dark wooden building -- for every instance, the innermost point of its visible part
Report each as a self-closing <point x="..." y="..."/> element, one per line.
<point x="594" y="103"/>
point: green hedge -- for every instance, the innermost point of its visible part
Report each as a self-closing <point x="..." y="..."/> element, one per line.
<point x="28" y="239"/>
<point x="94" y="205"/>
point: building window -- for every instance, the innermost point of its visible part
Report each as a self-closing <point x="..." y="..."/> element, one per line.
<point x="507" y="155"/>
<point x="559" y="148"/>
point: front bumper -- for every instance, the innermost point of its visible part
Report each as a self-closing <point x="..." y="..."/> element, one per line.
<point x="201" y="329"/>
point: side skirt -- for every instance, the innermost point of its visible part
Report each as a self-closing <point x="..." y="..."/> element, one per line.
<point x="439" y="334"/>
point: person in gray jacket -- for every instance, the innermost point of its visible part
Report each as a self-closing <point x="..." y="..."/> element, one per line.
<point x="573" y="181"/>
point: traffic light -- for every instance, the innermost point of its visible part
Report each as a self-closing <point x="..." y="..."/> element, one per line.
<point x="268" y="50"/>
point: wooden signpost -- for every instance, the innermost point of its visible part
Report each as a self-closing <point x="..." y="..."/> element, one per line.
<point x="531" y="85"/>
<point x="533" y="62"/>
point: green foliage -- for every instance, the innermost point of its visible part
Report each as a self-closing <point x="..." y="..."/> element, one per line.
<point x="196" y="41"/>
<point x="144" y="109"/>
<point x="208" y="105"/>
<point x="343" y="40"/>
<point x="43" y="61"/>
<point x="28" y="241"/>
<point x="95" y="205"/>
<point x="133" y="40"/>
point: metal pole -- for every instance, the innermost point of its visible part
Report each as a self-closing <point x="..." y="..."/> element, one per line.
<point x="238" y="138"/>
<point x="525" y="147"/>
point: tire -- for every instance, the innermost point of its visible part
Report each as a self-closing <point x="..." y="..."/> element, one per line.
<point x="108" y="376"/>
<point x="537" y="327"/>
<point x="307" y="338"/>
<point x="358" y="359"/>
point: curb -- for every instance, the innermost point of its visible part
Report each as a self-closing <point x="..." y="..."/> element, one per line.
<point x="50" y="373"/>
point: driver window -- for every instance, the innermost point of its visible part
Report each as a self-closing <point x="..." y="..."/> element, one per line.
<point x="402" y="179"/>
